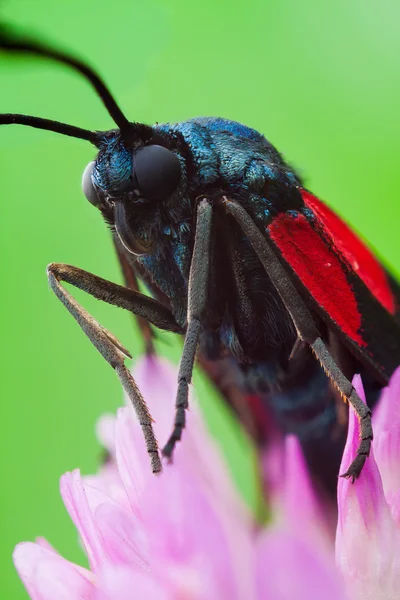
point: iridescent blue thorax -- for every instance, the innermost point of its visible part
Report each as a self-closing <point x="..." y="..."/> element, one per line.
<point x="230" y="153"/>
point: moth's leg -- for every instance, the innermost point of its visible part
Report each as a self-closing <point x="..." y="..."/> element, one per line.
<point x="306" y="330"/>
<point x="197" y="299"/>
<point x="132" y="283"/>
<point x="135" y="302"/>
<point x="348" y="393"/>
<point x="105" y="342"/>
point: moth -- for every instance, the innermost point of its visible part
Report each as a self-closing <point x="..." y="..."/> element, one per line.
<point x="263" y="281"/>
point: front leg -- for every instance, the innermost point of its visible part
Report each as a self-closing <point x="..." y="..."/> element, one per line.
<point x="105" y="342"/>
<point x="197" y="300"/>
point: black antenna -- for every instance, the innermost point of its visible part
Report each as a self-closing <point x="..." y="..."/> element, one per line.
<point x="11" y="42"/>
<point x="49" y="125"/>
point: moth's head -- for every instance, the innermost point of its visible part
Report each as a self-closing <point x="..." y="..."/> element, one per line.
<point x="132" y="175"/>
<point x="134" y="167"/>
<point x="138" y="167"/>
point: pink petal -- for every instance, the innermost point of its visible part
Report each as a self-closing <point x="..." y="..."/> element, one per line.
<point x="109" y="482"/>
<point x="124" y="541"/>
<point x="387" y="453"/>
<point x="76" y="503"/>
<point x="190" y="582"/>
<point x="365" y="537"/>
<point x="174" y="582"/>
<point x="157" y="380"/>
<point x="395" y="507"/>
<point x="122" y="583"/>
<point x="386" y="422"/>
<point x="386" y="413"/>
<point x="40" y="541"/>
<point x="302" y="510"/>
<point x="121" y="533"/>
<point x="132" y="460"/>
<point x="47" y="576"/>
<point x="200" y="456"/>
<point x="109" y="533"/>
<point x="183" y="527"/>
<point x="197" y="458"/>
<point x="289" y="567"/>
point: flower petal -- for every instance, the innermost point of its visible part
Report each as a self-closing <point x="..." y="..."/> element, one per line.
<point x="386" y="423"/>
<point x="387" y="453"/>
<point x="41" y="541"/>
<point x="132" y="460"/>
<point x="120" y="531"/>
<point x="122" y="583"/>
<point x="47" y="576"/>
<point x="183" y="526"/>
<point x="365" y="537"/>
<point x="396" y="509"/>
<point x="123" y="540"/>
<point x="109" y="482"/>
<point x="76" y="503"/>
<point x="157" y="380"/>
<point x="302" y="510"/>
<point x="386" y="413"/>
<point x="289" y="567"/>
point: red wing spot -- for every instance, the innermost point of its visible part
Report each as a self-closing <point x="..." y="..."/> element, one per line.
<point x="361" y="259"/>
<point x="319" y="269"/>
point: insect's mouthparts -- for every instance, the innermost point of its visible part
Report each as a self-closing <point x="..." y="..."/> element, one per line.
<point x="133" y="243"/>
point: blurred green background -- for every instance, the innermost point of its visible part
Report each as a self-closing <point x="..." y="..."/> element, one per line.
<point x="320" y="79"/>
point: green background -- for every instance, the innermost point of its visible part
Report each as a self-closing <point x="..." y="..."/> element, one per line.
<point x="320" y="79"/>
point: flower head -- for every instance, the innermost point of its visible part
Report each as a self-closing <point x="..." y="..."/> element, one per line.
<point x="368" y="530"/>
<point x="187" y="535"/>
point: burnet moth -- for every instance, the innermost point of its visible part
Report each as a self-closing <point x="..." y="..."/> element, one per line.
<point x="269" y="287"/>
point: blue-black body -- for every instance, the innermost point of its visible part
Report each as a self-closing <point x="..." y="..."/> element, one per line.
<point x="247" y="331"/>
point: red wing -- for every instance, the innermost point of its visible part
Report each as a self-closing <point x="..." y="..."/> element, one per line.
<point x="344" y="281"/>
<point x="361" y="259"/>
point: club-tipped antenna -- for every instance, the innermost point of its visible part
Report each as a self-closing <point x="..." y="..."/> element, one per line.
<point x="14" y="43"/>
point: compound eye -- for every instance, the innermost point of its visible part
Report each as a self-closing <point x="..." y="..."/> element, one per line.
<point x="156" y="172"/>
<point x="87" y="185"/>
